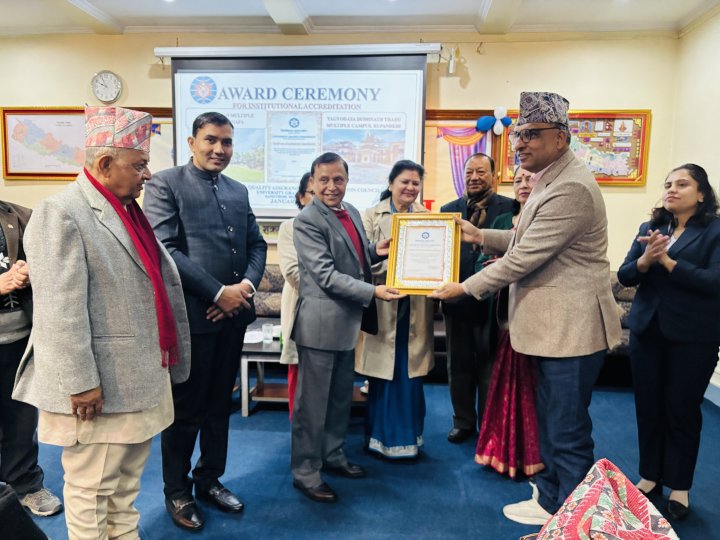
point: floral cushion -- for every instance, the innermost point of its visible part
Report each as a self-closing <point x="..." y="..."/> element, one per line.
<point x="267" y="304"/>
<point x="607" y="506"/>
<point x="620" y="291"/>
<point x="624" y="310"/>
<point x="269" y="295"/>
<point x="272" y="280"/>
<point x="624" y="298"/>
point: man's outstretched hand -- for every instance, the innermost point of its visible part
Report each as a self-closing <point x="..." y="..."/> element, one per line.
<point x="383" y="292"/>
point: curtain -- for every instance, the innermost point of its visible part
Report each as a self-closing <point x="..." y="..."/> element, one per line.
<point x="462" y="142"/>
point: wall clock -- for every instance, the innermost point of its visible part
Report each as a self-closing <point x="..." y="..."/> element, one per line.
<point x="106" y="86"/>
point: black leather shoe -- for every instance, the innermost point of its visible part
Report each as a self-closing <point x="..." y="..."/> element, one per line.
<point x="458" y="435"/>
<point x="185" y="514"/>
<point x="656" y="491"/>
<point x="349" y="470"/>
<point x="321" y="493"/>
<point x="677" y="510"/>
<point x="221" y="497"/>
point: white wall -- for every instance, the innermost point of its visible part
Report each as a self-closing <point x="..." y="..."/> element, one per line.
<point x="697" y="111"/>
<point x="628" y="74"/>
<point x="596" y="74"/>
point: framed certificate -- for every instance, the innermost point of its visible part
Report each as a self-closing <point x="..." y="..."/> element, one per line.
<point x="424" y="253"/>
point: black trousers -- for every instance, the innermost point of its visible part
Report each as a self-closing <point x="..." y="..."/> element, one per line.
<point x="18" y="423"/>
<point x="469" y="365"/>
<point x="670" y="380"/>
<point x="16" y="522"/>
<point x="202" y="405"/>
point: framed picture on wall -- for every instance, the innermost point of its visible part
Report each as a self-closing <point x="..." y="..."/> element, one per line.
<point x="43" y="143"/>
<point x="613" y="144"/>
<point x="450" y="136"/>
<point x="49" y="144"/>
<point x="162" y="141"/>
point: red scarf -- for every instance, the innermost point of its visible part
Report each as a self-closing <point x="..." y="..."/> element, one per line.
<point x="145" y="243"/>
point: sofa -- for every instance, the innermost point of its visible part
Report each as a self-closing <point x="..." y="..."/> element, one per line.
<point x="623" y="297"/>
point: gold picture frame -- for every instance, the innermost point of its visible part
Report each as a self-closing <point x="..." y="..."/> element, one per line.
<point x="424" y="253"/>
<point x="613" y="144"/>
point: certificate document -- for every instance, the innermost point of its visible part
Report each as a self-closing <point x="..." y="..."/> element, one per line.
<point x="425" y="252"/>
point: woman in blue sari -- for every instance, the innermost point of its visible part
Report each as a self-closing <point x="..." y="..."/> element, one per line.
<point x="402" y="351"/>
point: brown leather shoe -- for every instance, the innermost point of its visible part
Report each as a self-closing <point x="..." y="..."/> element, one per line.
<point x="321" y="493"/>
<point x="221" y="497"/>
<point x="349" y="470"/>
<point x="185" y="513"/>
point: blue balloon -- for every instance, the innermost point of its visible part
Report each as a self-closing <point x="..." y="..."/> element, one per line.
<point x="506" y="121"/>
<point x="485" y="123"/>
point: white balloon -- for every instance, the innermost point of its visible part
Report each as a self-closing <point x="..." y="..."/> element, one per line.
<point x="500" y="112"/>
<point x="498" y="128"/>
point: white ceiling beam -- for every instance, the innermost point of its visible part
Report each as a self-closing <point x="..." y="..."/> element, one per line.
<point x="496" y="16"/>
<point x="288" y="16"/>
<point x="367" y="49"/>
<point x="96" y="19"/>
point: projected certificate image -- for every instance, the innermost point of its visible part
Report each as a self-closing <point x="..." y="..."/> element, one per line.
<point x="293" y="143"/>
<point x="248" y="161"/>
<point x="424" y="253"/>
<point x="370" y="143"/>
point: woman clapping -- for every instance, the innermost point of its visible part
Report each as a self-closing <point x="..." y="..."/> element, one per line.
<point x="674" y="329"/>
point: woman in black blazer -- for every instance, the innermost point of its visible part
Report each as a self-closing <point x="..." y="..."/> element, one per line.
<point x="674" y="329"/>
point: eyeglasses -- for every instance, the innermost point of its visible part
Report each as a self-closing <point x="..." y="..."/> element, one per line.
<point x="527" y="135"/>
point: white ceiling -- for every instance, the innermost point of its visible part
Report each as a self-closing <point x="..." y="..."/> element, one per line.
<point x="22" y="17"/>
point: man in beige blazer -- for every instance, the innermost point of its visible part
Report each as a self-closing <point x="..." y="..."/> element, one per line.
<point x="110" y="329"/>
<point x="561" y="306"/>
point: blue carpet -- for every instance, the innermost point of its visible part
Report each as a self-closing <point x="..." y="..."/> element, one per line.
<point x="443" y="494"/>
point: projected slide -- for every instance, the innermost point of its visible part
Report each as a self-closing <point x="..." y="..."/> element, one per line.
<point x="285" y="119"/>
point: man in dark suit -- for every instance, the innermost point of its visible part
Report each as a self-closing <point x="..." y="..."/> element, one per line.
<point x="205" y="221"/>
<point x="336" y="296"/>
<point x="466" y="321"/>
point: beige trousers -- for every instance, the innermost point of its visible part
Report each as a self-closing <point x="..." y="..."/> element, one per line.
<point x="102" y="481"/>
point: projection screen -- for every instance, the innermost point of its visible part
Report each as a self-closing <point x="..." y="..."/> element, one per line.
<point x="287" y="110"/>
